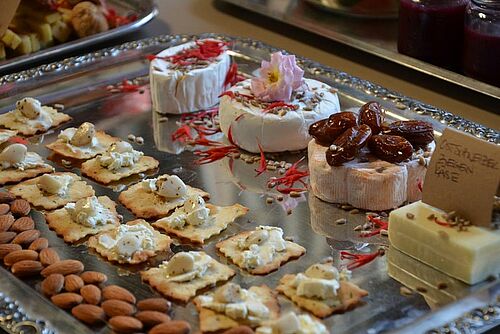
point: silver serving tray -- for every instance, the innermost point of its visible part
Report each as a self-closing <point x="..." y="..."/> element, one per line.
<point x="335" y="6"/>
<point x="80" y="84"/>
<point x="377" y="37"/>
<point x="146" y="10"/>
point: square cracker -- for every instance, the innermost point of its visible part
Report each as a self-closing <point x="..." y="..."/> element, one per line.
<point x="93" y="169"/>
<point x="5" y="135"/>
<point x="162" y="243"/>
<point x="230" y="249"/>
<point x="145" y="204"/>
<point x="29" y="190"/>
<point x="9" y="121"/>
<point x="12" y="175"/>
<point x="211" y="321"/>
<point x="222" y="216"/>
<point x="183" y="291"/>
<point x="349" y="294"/>
<point x="66" y="150"/>
<point x="60" y="221"/>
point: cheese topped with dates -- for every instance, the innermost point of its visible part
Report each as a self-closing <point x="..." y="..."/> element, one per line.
<point x="261" y="246"/>
<point x="129" y="239"/>
<point x="292" y="323"/>
<point x="81" y="139"/>
<point x="16" y="156"/>
<point x="319" y="281"/>
<point x="54" y="184"/>
<point x="89" y="212"/>
<point x="186" y="266"/>
<point x="193" y="212"/>
<point x="237" y="303"/>
<point x="168" y="186"/>
<point x="118" y="155"/>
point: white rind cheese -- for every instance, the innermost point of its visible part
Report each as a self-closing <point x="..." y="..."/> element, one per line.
<point x="470" y="256"/>
<point x="176" y="92"/>
<point x="274" y="132"/>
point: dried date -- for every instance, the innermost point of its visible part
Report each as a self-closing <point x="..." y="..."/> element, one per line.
<point x="418" y="133"/>
<point x="372" y="115"/>
<point x="390" y="148"/>
<point x="346" y="147"/>
<point x="328" y="130"/>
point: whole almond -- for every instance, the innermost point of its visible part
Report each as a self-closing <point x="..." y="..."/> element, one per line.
<point x="114" y="307"/>
<point x="125" y="324"/>
<point x="154" y="304"/>
<point x="66" y="300"/>
<point x="6" y="197"/>
<point x="49" y="256"/>
<point x="6" y="237"/>
<point x="91" y="294"/>
<point x="93" y="277"/>
<point x="6" y="249"/>
<point x="73" y="283"/>
<point x="172" y="327"/>
<point x="52" y="285"/>
<point x="65" y="267"/>
<point x="117" y="292"/>
<point x="39" y="244"/>
<point x="239" y="330"/>
<point x="4" y="208"/>
<point x="89" y="314"/>
<point x="152" y="318"/>
<point x="26" y="237"/>
<point x="6" y="222"/>
<point x="26" y="268"/>
<point x="23" y="224"/>
<point x="20" y="207"/>
<point x="20" y="255"/>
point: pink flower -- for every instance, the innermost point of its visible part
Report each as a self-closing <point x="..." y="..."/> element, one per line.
<point x="277" y="79"/>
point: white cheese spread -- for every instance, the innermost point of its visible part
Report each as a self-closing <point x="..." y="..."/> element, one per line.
<point x="16" y="156"/>
<point x="186" y="266"/>
<point x="319" y="281"/>
<point x="128" y="239"/>
<point x="292" y="323"/>
<point x="261" y="246"/>
<point x="52" y="184"/>
<point x="119" y="155"/>
<point x="89" y="212"/>
<point x="193" y="212"/>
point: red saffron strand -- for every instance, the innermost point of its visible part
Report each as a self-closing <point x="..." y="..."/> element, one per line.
<point x="262" y="163"/>
<point x="230" y="135"/>
<point x="420" y="185"/>
<point x="204" y="141"/>
<point x="441" y="223"/>
<point x="231" y="76"/>
<point x="214" y="154"/>
<point x="359" y="260"/>
<point x="379" y="223"/>
<point x="291" y="176"/>
<point x="277" y="105"/>
<point x="182" y="133"/>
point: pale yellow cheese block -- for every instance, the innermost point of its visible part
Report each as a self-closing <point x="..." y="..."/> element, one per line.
<point x="470" y="256"/>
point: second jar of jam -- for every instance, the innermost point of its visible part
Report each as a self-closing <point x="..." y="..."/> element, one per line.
<point x="432" y="31"/>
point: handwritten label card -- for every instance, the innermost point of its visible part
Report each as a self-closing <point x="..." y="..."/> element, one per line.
<point x="463" y="176"/>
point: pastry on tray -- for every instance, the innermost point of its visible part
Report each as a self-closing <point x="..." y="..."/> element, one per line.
<point x="260" y="251"/>
<point x="131" y="243"/>
<point x="30" y="117"/>
<point x="230" y="306"/>
<point x="359" y="160"/>
<point x="189" y="77"/>
<point x="293" y="323"/>
<point x="81" y="143"/>
<point x="5" y="135"/>
<point x="197" y="221"/>
<point x="88" y="216"/>
<point x="17" y="164"/>
<point x="322" y="290"/>
<point x="157" y="197"/>
<point x="275" y="109"/>
<point x="51" y="191"/>
<point x="186" y="273"/>
<point x="119" y="161"/>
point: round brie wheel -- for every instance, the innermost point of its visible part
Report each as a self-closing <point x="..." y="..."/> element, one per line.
<point x="250" y="125"/>
<point x="174" y="91"/>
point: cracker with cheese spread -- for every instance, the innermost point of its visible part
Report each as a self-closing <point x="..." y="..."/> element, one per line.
<point x="93" y="169"/>
<point x="185" y="274"/>
<point x="51" y="191"/>
<point x="260" y="251"/>
<point x="17" y="164"/>
<point x="100" y="144"/>
<point x="217" y="221"/>
<point x="154" y="198"/>
<point x="319" y="295"/>
<point x="231" y="306"/>
<point x="88" y="216"/>
<point x="131" y="243"/>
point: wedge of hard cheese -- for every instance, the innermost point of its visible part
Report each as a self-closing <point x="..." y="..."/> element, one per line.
<point x="469" y="255"/>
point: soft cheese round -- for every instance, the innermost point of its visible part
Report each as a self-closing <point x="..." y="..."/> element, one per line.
<point x="275" y="133"/>
<point x="176" y="92"/>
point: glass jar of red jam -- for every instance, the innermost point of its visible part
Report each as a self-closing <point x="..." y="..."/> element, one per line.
<point x="482" y="41"/>
<point x="432" y="31"/>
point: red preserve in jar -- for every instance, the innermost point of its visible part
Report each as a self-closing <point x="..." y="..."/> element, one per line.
<point x="432" y="30"/>
<point x="482" y="41"/>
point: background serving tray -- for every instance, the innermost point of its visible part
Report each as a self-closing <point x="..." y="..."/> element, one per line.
<point x="80" y="83"/>
<point x="377" y="37"/>
<point x="145" y="9"/>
